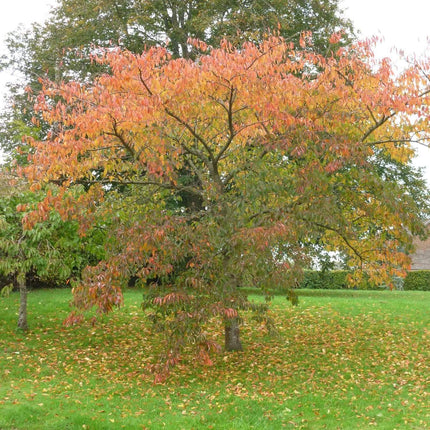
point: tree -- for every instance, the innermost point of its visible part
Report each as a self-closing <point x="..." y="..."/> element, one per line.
<point x="286" y="148"/>
<point x="51" y="250"/>
<point x="60" y="48"/>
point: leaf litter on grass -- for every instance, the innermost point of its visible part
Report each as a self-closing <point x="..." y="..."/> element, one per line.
<point x="326" y="368"/>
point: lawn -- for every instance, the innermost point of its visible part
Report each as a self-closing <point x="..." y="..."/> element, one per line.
<point x="343" y="360"/>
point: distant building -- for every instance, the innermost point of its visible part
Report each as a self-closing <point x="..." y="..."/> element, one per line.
<point x="421" y="257"/>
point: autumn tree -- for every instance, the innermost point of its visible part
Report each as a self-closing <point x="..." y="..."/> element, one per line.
<point x="289" y="152"/>
<point x="59" y="48"/>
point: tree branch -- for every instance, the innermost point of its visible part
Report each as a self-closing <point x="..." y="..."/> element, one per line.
<point x="232" y="134"/>
<point x="119" y="135"/>
<point x="378" y="124"/>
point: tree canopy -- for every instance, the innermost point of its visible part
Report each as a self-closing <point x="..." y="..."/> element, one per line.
<point x="286" y="152"/>
<point x="60" y="48"/>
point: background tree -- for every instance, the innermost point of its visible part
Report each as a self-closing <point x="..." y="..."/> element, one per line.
<point x="285" y="148"/>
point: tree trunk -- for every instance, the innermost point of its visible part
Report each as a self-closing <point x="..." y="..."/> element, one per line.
<point x="232" y="336"/>
<point x="22" y="316"/>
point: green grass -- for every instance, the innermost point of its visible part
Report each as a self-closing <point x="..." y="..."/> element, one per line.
<point x="354" y="360"/>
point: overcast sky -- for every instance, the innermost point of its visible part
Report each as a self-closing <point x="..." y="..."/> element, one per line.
<point x="14" y="13"/>
<point x="402" y="24"/>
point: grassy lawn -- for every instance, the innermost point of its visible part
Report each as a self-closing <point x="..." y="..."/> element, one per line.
<point x="343" y="360"/>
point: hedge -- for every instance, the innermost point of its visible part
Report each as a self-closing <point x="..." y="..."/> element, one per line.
<point x="328" y="280"/>
<point x="337" y="280"/>
<point x="417" y="280"/>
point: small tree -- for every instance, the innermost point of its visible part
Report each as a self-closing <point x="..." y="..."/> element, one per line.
<point x="286" y="152"/>
<point x="52" y="250"/>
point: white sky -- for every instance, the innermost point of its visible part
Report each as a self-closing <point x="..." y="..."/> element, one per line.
<point x="403" y="25"/>
<point x="13" y="13"/>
